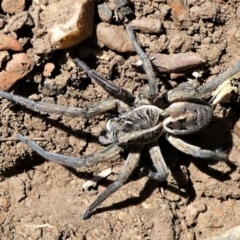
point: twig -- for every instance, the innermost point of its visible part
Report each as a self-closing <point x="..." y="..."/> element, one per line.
<point x="39" y="225"/>
<point x="93" y="182"/>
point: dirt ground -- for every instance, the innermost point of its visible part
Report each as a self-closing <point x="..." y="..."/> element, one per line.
<point x="40" y="199"/>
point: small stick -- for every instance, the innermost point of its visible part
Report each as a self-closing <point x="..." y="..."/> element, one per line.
<point x="93" y="182"/>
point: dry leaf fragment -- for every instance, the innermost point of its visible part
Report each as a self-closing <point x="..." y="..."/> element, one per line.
<point x="223" y="92"/>
<point x="9" y="43"/>
<point x="93" y="182"/>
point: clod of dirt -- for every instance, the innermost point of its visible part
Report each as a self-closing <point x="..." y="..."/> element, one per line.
<point x="179" y="42"/>
<point x="180" y="13"/>
<point x="19" y="20"/>
<point x="234" y="154"/>
<point x="9" y="6"/>
<point x="192" y="212"/>
<point x="104" y="12"/>
<point x="53" y="87"/>
<point x="17" y="68"/>
<point x="9" y="43"/>
<point x="207" y="10"/>
<point x="42" y="45"/>
<point x="211" y="52"/>
<point x="114" y="37"/>
<point x="68" y="22"/>
<point x="176" y="63"/>
<point x="17" y="185"/>
<point x="236" y="128"/>
<point x="147" y="25"/>
<point x="48" y="68"/>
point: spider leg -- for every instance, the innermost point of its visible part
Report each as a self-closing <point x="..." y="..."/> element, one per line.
<point x="194" y="150"/>
<point x="105" y="154"/>
<point x="188" y="91"/>
<point x="112" y="89"/>
<point x="158" y="162"/>
<point x="147" y="66"/>
<point x="85" y="112"/>
<point x="122" y="177"/>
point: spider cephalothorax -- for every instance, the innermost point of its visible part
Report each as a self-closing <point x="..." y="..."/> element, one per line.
<point x="139" y="123"/>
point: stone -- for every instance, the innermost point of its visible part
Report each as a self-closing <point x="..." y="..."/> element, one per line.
<point x="9" y="6"/>
<point x="18" y="67"/>
<point x="68" y="22"/>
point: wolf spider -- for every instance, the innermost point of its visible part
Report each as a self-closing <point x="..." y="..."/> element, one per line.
<point x="139" y="123"/>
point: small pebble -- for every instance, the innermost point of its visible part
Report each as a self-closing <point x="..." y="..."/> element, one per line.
<point x="147" y="25"/>
<point x="104" y="12"/>
<point x="114" y="37"/>
<point x="48" y="68"/>
<point x="18" y="67"/>
<point x="176" y="63"/>
<point x="10" y="6"/>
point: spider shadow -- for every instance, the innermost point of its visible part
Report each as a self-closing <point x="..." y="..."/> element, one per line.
<point x="22" y="164"/>
<point x="215" y="137"/>
<point x="81" y="134"/>
<point x="25" y="164"/>
<point x="148" y="189"/>
<point x="144" y="194"/>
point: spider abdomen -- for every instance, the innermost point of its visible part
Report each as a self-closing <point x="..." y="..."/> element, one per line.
<point x="183" y="118"/>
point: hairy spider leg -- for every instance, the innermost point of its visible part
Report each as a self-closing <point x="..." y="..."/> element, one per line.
<point x="158" y="162"/>
<point x="85" y="112"/>
<point x="107" y="153"/>
<point x="122" y="177"/>
<point x="147" y="66"/>
<point x="112" y="89"/>
<point x="194" y="150"/>
<point x="187" y="90"/>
